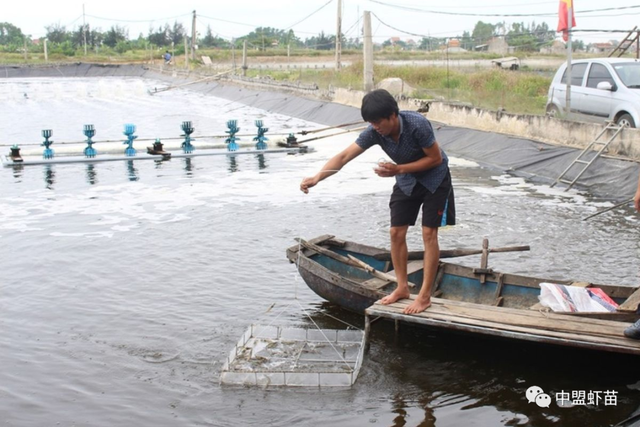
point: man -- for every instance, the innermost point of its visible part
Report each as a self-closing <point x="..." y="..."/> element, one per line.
<point x="633" y="331"/>
<point x="422" y="179"/>
<point x="167" y="58"/>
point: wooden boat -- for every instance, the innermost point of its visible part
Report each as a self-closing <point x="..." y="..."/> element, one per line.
<point x="466" y="299"/>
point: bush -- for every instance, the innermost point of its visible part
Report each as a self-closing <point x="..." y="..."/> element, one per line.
<point x="122" y="46"/>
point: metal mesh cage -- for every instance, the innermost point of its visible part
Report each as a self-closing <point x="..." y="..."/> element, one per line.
<point x="279" y="356"/>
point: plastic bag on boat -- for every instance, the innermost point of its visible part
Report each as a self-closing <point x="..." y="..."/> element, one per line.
<point x="572" y="299"/>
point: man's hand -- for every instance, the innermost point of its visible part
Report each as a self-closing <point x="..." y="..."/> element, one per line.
<point x="636" y="200"/>
<point x="307" y="183"/>
<point x="386" y="169"/>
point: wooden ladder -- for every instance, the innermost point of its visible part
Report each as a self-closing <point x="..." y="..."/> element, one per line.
<point x="627" y="43"/>
<point x="581" y="159"/>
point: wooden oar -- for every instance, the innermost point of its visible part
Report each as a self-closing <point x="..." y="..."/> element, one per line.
<point x="376" y="273"/>
<point x="164" y="89"/>
<point x="453" y="253"/>
<point x="327" y="252"/>
<point x="349" y="260"/>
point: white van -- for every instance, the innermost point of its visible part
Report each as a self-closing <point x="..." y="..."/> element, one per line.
<point x="601" y="89"/>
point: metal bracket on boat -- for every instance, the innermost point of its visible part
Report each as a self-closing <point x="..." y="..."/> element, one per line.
<point x="484" y="270"/>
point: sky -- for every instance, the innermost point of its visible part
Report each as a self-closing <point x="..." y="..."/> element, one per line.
<point x="407" y="19"/>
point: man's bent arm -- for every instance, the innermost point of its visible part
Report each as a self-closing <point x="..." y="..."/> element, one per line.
<point x="433" y="158"/>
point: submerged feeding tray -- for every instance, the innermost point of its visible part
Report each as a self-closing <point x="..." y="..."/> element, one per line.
<point x="278" y="356"/>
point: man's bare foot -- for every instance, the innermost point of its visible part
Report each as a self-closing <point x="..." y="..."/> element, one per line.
<point x="394" y="296"/>
<point x="417" y="306"/>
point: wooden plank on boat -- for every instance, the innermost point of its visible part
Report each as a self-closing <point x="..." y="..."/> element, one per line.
<point x="453" y="253"/>
<point x="528" y="318"/>
<point x="484" y="261"/>
<point x="327" y="252"/>
<point x="581" y="284"/>
<point x="631" y="304"/>
<point x="378" y="283"/>
<point x="336" y="242"/>
<point x="538" y="319"/>
<point x="379" y="274"/>
<point x="497" y="296"/>
<point x="530" y="325"/>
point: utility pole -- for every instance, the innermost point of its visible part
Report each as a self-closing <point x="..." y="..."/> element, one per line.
<point x="244" y="58"/>
<point x="193" y="37"/>
<point x="84" y="31"/>
<point x="46" y="54"/>
<point x="233" y="54"/>
<point x="338" y="35"/>
<point x="186" y="54"/>
<point x="569" y="25"/>
<point x="368" y="52"/>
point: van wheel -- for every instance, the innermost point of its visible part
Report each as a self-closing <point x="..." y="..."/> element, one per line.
<point x="626" y="120"/>
<point x="553" y="111"/>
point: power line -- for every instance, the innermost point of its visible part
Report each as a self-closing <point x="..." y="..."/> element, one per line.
<point x="310" y="15"/>
<point x="528" y="4"/>
<point x="229" y="22"/>
<point x="398" y="29"/>
<point x="137" y="20"/>
<point x="440" y="12"/>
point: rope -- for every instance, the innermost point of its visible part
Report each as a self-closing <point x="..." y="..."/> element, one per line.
<point x="304" y="311"/>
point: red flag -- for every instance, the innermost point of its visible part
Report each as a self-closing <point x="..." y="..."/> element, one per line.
<point x="563" y="18"/>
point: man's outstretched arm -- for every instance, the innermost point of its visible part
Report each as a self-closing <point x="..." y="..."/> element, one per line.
<point x="334" y="164"/>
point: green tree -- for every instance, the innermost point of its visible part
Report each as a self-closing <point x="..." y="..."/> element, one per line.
<point x="483" y="32"/>
<point x="160" y="37"/>
<point x="57" y="33"/>
<point x="94" y="37"/>
<point x="429" y="43"/>
<point x="114" y="35"/>
<point x="577" y="45"/>
<point x="521" y="37"/>
<point x="466" y="42"/>
<point x="321" y="42"/>
<point x="531" y="37"/>
<point x="264" y="37"/>
<point x="122" y="46"/>
<point x="353" y="43"/>
<point x="10" y="34"/>
<point x="177" y="33"/>
<point x="209" y="40"/>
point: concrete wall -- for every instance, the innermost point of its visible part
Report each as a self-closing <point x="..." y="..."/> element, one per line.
<point x="540" y="128"/>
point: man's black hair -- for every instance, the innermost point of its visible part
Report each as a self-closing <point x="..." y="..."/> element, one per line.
<point x="378" y="104"/>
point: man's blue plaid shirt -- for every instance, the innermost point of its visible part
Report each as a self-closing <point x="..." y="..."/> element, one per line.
<point x="416" y="133"/>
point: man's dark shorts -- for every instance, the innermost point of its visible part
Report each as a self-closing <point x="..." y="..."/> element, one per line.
<point x="404" y="209"/>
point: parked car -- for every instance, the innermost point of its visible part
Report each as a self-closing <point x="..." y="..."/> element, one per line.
<point x="601" y="89"/>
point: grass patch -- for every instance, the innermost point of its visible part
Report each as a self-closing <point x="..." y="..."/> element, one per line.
<point x="522" y="91"/>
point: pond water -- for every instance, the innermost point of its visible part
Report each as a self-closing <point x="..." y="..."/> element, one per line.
<point x="125" y="284"/>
